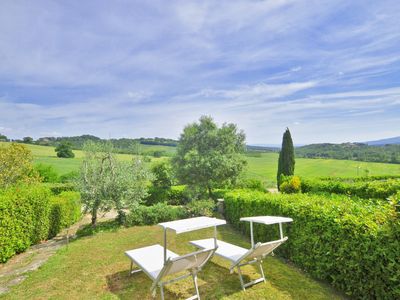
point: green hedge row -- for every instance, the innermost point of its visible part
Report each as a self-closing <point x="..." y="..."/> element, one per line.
<point x="363" y="178"/>
<point x="353" y="245"/>
<point x="58" y="188"/>
<point x="163" y="212"/>
<point x="65" y="211"/>
<point x="25" y="214"/>
<point x="380" y="189"/>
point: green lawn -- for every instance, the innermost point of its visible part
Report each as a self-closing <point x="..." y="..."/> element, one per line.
<point x="95" y="267"/>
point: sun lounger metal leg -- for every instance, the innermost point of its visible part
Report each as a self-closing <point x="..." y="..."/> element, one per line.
<point x="195" y="285"/>
<point x="134" y="271"/>
<point x="261" y="270"/>
<point x="261" y="279"/>
<point x="241" y="278"/>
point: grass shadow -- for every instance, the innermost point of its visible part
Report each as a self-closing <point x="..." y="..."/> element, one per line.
<point x="211" y="286"/>
<point x="104" y="226"/>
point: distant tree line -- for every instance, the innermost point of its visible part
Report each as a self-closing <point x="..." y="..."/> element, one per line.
<point x="123" y="145"/>
<point x="352" y="151"/>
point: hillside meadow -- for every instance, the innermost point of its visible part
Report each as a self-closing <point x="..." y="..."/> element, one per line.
<point x="263" y="166"/>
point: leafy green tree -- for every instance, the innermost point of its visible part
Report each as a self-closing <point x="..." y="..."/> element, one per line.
<point x="27" y="140"/>
<point x="16" y="165"/>
<point x="3" y="138"/>
<point x="106" y="183"/>
<point x="163" y="175"/>
<point x="209" y="156"/>
<point x="64" y="150"/>
<point x="286" y="160"/>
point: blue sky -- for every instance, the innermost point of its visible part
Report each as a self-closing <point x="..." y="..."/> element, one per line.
<point x="329" y="70"/>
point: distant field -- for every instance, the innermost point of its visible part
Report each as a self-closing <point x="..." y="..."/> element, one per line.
<point x="47" y="155"/>
<point x="263" y="167"/>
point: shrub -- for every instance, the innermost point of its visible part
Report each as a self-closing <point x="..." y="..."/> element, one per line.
<point x="47" y="173"/>
<point x="201" y="208"/>
<point x="69" y="177"/>
<point x="58" y="188"/>
<point x="64" y="150"/>
<point x="175" y="195"/>
<point x="65" y="211"/>
<point x="290" y="185"/>
<point x="24" y="218"/>
<point x="251" y="183"/>
<point x="149" y="215"/>
<point x="352" y="244"/>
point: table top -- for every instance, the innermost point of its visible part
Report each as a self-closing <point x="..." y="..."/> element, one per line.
<point x="268" y="220"/>
<point x="191" y="224"/>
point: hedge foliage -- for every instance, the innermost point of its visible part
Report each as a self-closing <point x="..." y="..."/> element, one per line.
<point x="25" y="213"/>
<point x="175" y="195"/>
<point x="65" y="211"/>
<point x="149" y="215"/>
<point x="354" y="245"/>
<point x="380" y="189"/>
<point x="58" y="188"/>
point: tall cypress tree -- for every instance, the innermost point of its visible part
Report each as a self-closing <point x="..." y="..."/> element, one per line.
<point x="286" y="157"/>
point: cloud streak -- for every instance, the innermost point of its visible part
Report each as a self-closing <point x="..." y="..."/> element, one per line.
<point x="329" y="69"/>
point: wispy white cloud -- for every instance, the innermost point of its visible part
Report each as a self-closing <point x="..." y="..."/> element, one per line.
<point x="148" y="68"/>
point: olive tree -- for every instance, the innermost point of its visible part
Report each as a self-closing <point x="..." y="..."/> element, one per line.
<point x="209" y="156"/>
<point x="106" y="183"/>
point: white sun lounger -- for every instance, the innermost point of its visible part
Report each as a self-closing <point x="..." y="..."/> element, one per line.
<point x="157" y="261"/>
<point x="239" y="256"/>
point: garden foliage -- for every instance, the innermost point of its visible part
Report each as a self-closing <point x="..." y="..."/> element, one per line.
<point x="16" y="166"/>
<point x="25" y="217"/>
<point x="380" y="189"/>
<point x="354" y="245"/>
<point x="65" y="211"/>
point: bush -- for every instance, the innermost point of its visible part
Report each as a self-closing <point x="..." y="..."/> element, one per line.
<point x="65" y="211"/>
<point x="175" y="195"/>
<point x="380" y="189"/>
<point x="290" y="185"/>
<point x="58" y="188"/>
<point x="69" y="177"/>
<point x="252" y="184"/>
<point x="201" y="208"/>
<point x="24" y="218"/>
<point x="352" y="244"/>
<point x="47" y="173"/>
<point x="149" y="215"/>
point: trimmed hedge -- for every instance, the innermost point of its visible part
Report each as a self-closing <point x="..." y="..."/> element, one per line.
<point x="380" y="189"/>
<point x="58" y="188"/>
<point x="353" y="245"/>
<point x="25" y="213"/>
<point x="149" y="215"/>
<point x="24" y="218"/>
<point x="65" y="211"/>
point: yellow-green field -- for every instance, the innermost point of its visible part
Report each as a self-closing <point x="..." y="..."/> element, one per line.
<point x="263" y="167"/>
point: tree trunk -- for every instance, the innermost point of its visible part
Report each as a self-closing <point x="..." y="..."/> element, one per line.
<point x="94" y="216"/>
<point x="209" y="192"/>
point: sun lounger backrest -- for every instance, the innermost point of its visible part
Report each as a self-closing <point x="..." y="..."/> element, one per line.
<point x="189" y="261"/>
<point x="264" y="249"/>
<point x="259" y="250"/>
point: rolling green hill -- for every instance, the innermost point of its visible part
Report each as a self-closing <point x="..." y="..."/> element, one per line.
<point x="263" y="166"/>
